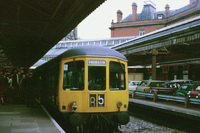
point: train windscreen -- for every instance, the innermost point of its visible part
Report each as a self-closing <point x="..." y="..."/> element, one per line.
<point x="73" y="77"/>
<point x="117" y="76"/>
<point x="96" y="77"/>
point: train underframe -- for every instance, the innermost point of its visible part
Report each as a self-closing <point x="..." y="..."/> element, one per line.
<point x="96" y="122"/>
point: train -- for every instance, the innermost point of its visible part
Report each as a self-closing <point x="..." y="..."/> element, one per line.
<point x="88" y="85"/>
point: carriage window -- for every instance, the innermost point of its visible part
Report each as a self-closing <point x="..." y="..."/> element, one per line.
<point x="73" y="77"/>
<point x="96" y="77"/>
<point x="117" y="76"/>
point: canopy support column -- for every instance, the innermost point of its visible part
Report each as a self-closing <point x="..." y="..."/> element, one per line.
<point x="154" y="53"/>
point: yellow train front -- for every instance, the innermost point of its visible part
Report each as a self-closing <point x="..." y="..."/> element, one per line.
<point x="92" y="87"/>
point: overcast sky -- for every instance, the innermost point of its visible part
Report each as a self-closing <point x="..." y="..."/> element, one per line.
<point x="97" y="24"/>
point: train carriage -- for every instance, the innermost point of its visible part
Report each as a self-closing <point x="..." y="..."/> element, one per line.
<point x="88" y="84"/>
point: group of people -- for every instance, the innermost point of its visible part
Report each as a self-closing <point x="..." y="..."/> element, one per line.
<point x="16" y="88"/>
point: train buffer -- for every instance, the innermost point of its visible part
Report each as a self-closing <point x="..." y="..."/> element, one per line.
<point x="19" y="119"/>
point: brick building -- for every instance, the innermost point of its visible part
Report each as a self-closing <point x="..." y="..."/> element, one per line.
<point x="149" y="20"/>
<point x="137" y="24"/>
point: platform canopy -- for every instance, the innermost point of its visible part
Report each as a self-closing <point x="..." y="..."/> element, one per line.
<point x="177" y="43"/>
<point x="29" y="28"/>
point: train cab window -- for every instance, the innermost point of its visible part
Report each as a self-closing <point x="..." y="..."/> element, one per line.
<point x="117" y="76"/>
<point x="73" y="77"/>
<point x="97" y="78"/>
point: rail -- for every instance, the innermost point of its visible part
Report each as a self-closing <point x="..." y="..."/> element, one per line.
<point x="156" y="96"/>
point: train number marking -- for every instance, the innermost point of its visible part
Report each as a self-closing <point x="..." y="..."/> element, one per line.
<point x="93" y="100"/>
<point x="100" y="98"/>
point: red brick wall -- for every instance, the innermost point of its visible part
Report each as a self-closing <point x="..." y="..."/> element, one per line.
<point x="133" y="31"/>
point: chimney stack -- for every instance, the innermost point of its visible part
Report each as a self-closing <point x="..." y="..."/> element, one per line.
<point x="134" y="11"/>
<point x="119" y="15"/>
<point x="167" y="10"/>
<point x="192" y="1"/>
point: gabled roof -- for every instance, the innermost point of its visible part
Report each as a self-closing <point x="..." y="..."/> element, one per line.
<point x="185" y="8"/>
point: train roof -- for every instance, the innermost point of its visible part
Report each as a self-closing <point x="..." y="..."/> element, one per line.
<point x="93" y="51"/>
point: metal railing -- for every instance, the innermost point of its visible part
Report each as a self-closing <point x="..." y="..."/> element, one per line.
<point x="156" y="96"/>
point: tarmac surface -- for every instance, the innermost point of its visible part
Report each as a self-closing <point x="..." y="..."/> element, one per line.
<point x="16" y="118"/>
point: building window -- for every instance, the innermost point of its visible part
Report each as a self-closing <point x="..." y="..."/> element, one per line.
<point x="141" y="32"/>
<point x="160" y="16"/>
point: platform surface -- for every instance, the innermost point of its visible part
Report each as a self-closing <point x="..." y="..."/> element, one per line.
<point x="22" y="119"/>
<point x="170" y="106"/>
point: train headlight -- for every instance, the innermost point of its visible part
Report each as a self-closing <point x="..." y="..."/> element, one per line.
<point x="73" y="106"/>
<point x="119" y="104"/>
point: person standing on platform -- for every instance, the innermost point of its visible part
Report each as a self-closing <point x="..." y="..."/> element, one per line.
<point x="5" y="76"/>
<point x="15" y="86"/>
<point x="22" y="89"/>
<point x="9" y="90"/>
<point x="3" y="87"/>
<point x="29" y="90"/>
<point x="39" y="87"/>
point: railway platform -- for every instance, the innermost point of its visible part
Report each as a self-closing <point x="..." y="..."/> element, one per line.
<point x="18" y="118"/>
<point x="192" y="112"/>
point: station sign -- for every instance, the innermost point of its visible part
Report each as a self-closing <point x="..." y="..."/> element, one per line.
<point x="97" y="62"/>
